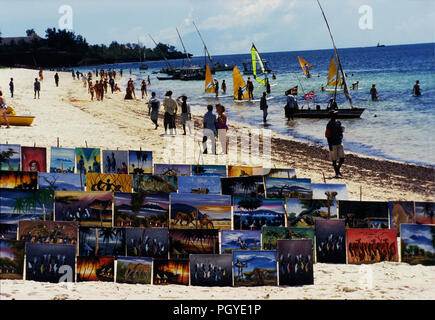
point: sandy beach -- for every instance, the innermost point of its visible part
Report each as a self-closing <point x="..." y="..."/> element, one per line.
<point x="125" y="125"/>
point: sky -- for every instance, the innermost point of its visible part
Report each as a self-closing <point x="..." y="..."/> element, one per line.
<point x="230" y="26"/>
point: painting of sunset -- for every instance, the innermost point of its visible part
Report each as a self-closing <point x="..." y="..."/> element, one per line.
<point x="183" y="242"/>
<point x="95" y="268"/>
<point x="19" y="180"/>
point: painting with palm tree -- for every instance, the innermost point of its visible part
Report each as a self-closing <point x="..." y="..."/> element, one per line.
<point x="425" y="212"/>
<point x="211" y="270"/>
<point x="418" y="243"/>
<point x="252" y="186"/>
<point x="288" y="188"/>
<point x="18" y="205"/>
<point x="303" y="212"/>
<point x="95" y="268"/>
<point x="332" y="190"/>
<point x="134" y="270"/>
<point x="240" y="171"/>
<point x="209" y="170"/>
<point x="199" y="184"/>
<point x="154" y="184"/>
<point x="8" y="231"/>
<point x="141" y="210"/>
<point x="270" y="236"/>
<point x="183" y="242"/>
<point x="109" y="182"/>
<point x="88" y="160"/>
<point x="240" y="239"/>
<point x="140" y="162"/>
<point x="10" y="157"/>
<point x="53" y="232"/>
<point x="101" y="241"/>
<point x="34" y="159"/>
<point x="280" y="173"/>
<point x="11" y="259"/>
<point x="364" y="214"/>
<point x="60" y="181"/>
<point x="19" y="180"/>
<point x="90" y="208"/>
<point x="147" y="242"/>
<point x="62" y="160"/>
<point x="254" y="213"/>
<point x="172" y="169"/>
<point x="171" y="272"/>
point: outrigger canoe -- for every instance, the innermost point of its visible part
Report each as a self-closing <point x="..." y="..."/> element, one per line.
<point x="320" y="114"/>
<point x="18" y="120"/>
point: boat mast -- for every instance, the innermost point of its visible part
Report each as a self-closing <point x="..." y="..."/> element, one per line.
<point x="205" y="47"/>
<point x="187" y="55"/>
<point x="161" y="53"/>
<point x="346" y="90"/>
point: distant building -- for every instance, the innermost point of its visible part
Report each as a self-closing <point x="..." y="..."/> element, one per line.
<point x="4" y="41"/>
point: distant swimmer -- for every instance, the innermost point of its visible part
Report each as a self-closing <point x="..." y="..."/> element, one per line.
<point x="417" y="89"/>
<point x="322" y="88"/>
<point x="273" y="76"/>
<point x="374" y="93"/>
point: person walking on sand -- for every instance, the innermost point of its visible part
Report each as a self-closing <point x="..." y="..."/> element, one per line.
<point x="224" y="87"/>
<point x="73" y="75"/>
<point x="56" y="79"/>
<point x="41" y="75"/>
<point x="250" y="87"/>
<point x="91" y="90"/>
<point x="149" y="80"/>
<point x="170" y="107"/>
<point x="112" y="84"/>
<point x="416" y="89"/>
<point x="153" y="109"/>
<point x="334" y="135"/>
<point x="264" y="106"/>
<point x="222" y="127"/>
<point x="185" y="113"/>
<point x="4" y="109"/>
<point x="374" y="93"/>
<point x="36" y="87"/>
<point x="143" y="89"/>
<point x="210" y="125"/>
<point x="11" y="87"/>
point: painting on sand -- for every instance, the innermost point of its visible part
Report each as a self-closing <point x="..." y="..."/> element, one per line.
<point x="134" y="270"/>
<point x="240" y="171"/>
<point x="101" y="241"/>
<point x="11" y="259"/>
<point x="19" y="180"/>
<point x="140" y="162"/>
<point x="279" y="173"/>
<point x="364" y="214"/>
<point x="425" y="212"/>
<point x="303" y="212"/>
<point x="211" y="270"/>
<point x="401" y="212"/>
<point x="183" y="242"/>
<point x="199" y="184"/>
<point x="240" y="239"/>
<point x="288" y="188"/>
<point x="295" y="259"/>
<point x="62" y="160"/>
<point x="330" y="190"/>
<point x="209" y="170"/>
<point x="171" y="272"/>
<point x="34" y="159"/>
<point x="108" y="182"/>
<point x="250" y="187"/>
<point x="154" y="184"/>
<point x="52" y="232"/>
<point x="254" y="268"/>
<point x="10" y="157"/>
<point x="172" y="169"/>
<point x="270" y="236"/>
<point x="115" y="161"/>
<point x="95" y="268"/>
<point x="330" y="241"/>
<point x="418" y="244"/>
<point x="147" y="242"/>
<point x="88" y="160"/>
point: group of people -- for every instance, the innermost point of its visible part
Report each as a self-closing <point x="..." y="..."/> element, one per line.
<point x="216" y="87"/>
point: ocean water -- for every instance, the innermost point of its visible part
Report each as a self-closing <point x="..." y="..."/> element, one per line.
<point x="399" y="126"/>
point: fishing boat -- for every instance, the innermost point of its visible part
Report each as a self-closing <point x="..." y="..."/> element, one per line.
<point x="192" y="73"/>
<point x="169" y="70"/>
<point x="380" y="45"/>
<point x="142" y="65"/>
<point x="18" y="120"/>
<point x="324" y="113"/>
<point x="306" y="66"/>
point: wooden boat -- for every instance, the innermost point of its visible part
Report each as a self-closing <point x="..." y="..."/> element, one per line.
<point x="18" y="120"/>
<point x="323" y="113"/>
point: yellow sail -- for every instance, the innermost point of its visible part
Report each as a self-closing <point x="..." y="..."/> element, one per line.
<point x="209" y="85"/>
<point x="333" y="77"/>
<point x="237" y="83"/>
<point x="254" y="57"/>
<point x="303" y="63"/>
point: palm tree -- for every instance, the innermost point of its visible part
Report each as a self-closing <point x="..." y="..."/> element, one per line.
<point x="5" y="156"/>
<point x="107" y="234"/>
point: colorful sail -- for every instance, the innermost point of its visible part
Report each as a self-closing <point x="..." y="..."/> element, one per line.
<point x="256" y="56"/>
<point x="237" y="83"/>
<point x="209" y="85"/>
<point x="303" y="63"/>
<point x="333" y="77"/>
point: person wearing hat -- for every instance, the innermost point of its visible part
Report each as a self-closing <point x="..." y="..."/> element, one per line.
<point x="170" y="107"/>
<point x="334" y="135"/>
<point x="185" y="112"/>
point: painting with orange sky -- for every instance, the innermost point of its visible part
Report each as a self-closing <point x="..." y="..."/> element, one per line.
<point x="19" y="180"/>
<point x="171" y="272"/>
<point x="95" y="268"/>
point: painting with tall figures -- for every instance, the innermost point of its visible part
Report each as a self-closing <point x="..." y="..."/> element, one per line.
<point x="401" y="212"/>
<point x="140" y="162"/>
<point x="171" y="272"/>
<point x="178" y="170"/>
<point x="11" y="259"/>
<point x="254" y="268"/>
<point x="50" y="262"/>
<point x="183" y="242"/>
<point x="141" y="210"/>
<point x="209" y="170"/>
<point x="417" y="244"/>
<point x="240" y="239"/>
<point x="90" y="208"/>
<point x="200" y="211"/>
<point x="62" y="160"/>
<point x="134" y="270"/>
<point x="154" y="184"/>
<point x="53" y="232"/>
<point x="101" y="241"/>
<point x="18" y="205"/>
<point x="88" y="160"/>
<point x="34" y="159"/>
<point x="303" y="212"/>
<point x="330" y="241"/>
<point x="147" y="242"/>
<point x="281" y="188"/>
<point x="425" y="212"/>
<point x="241" y="171"/>
<point x="115" y="161"/>
<point x="270" y="236"/>
<point x="280" y="173"/>
<point x="19" y="180"/>
<point x="254" y="213"/>
<point x="364" y="214"/>
<point x="95" y="268"/>
<point x="251" y="187"/>
<point x="109" y="182"/>
<point x="199" y="184"/>
<point x="330" y="191"/>
<point x="295" y="262"/>
<point x="371" y="245"/>
<point x="211" y="270"/>
<point x="61" y="181"/>
<point x="10" y="157"/>
<point x="8" y="231"/>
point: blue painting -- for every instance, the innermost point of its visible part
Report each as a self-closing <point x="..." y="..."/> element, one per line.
<point x="62" y="160"/>
<point x="279" y="173"/>
<point x="204" y="170"/>
<point x="147" y="242"/>
<point x="240" y="239"/>
<point x="10" y="157"/>
<point x="418" y="243"/>
<point x="172" y="169"/>
<point x="334" y="191"/>
<point x="255" y="268"/>
<point x="288" y="188"/>
<point x="61" y="181"/>
<point x="303" y="212"/>
<point x="199" y="184"/>
<point x="115" y="161"/>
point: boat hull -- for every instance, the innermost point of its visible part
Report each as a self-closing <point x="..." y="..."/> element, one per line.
<point x="323" y="114"/>
<point x="18" y="120"/>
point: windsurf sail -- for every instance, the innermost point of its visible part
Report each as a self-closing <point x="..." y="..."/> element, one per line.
<point x="302" y="62"/>
<point x="255" y="56"/>
<point x="209" y="85"/>
<point x="333" y="77"/>
<point x="238" y="82"/>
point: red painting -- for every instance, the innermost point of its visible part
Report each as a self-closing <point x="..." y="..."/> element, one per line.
<point x="34" y="159"/>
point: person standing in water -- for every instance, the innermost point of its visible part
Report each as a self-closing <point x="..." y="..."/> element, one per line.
<point x="239" y="93"/>
<point x="334" y="135"/>
<point x="250" y="87"/>
<point x="216" y="87"/>
<point x="417" y="90"/>
<point x="267" y="86"/>
<point x="153" y="109"/>
<point x="264" y="106"/>
<point x="224" y="87"/>
<point x="374" y="93"/>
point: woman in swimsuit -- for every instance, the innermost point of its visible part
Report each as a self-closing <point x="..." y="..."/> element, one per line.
<point x="4" y="109"/>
